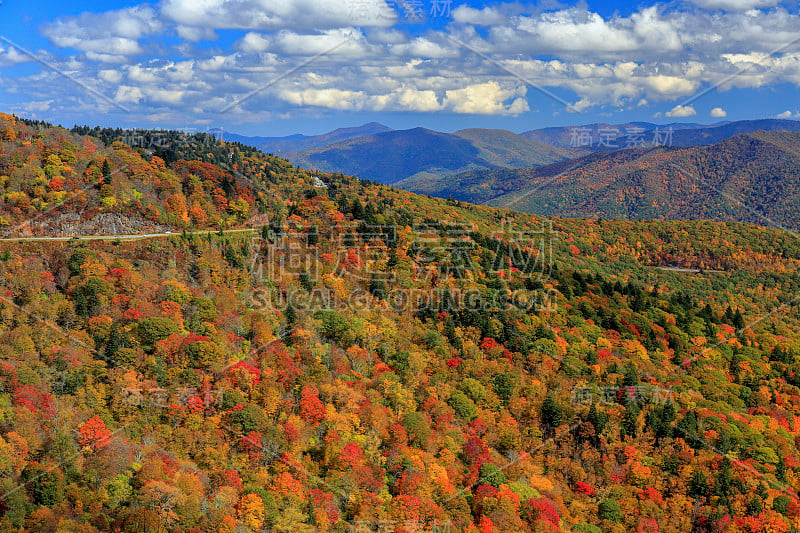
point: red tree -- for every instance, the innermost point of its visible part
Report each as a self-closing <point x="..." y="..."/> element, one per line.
<point x="94" y="433"/>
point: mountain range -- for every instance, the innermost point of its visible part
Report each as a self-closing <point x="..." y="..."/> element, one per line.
<point x="391" y="156"/>
<point x="293" y="143"/>
<point x="375" y="152"/>
<point x="424" y="160"/>
<point x="631" y="134"/>
<point x="723" y="181"/>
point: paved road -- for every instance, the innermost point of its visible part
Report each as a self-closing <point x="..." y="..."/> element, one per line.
<point x="120" y="237"/>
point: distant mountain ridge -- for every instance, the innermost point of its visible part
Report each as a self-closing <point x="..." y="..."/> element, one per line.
<point x="607" y="137"/>
<point x="291" y="143"/>
<point x="422" y="160"/>
<point x="420" y="153"/>
<point x="569" y="136"/>
<point x="752" y="177"/>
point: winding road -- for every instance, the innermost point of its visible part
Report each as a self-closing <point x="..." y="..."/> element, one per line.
<point x="135" y="236"/>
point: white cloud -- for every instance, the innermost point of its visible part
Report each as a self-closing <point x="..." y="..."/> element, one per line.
<point x="330" y="98"/>
<point x="482" y="98"/>
<point x="718" y="112"/>
<point x="128" y="95"/>
<point x="739" y="5"/>
<point x="254" y="43"/>
<point x="195" y="34"/>
<point x="106" y="58"/>
<point x="113" y="33"/>
<point x="117" y="46"/>
<point x="34" y="107"/>
<point x="575" y="30"/>
<point x="656" y="54"/>
<point x="277" y="14"/>
<point x="578" y="32"/>
<point x="680" y="111"/>
<point x="180" y="72"/>
<point x="166" y="96"/>
<point x="787" y="114"/>
<point x="422" y="47"/>
<point x="671" y="86"/>
<point x="139" y="74"/>
<point x="485" y="99"/>
<point x="406" y="99"/>
<point x="413" y="100"/>
<point x="338" y="42"/>
<point x="111" y="76"/>
<point x="386" y="36"/>
<point x="488" y="16"/>
<point x="12" y="56"/>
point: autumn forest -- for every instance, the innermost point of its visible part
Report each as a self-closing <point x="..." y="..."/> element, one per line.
<point x="288" y="351"/>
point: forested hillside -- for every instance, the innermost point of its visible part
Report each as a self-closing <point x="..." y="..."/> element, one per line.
<point x="58" y="182"/>
<point x="419" y="154"/>
<point x="294" y="143"/>
<point x="368" y="359"/>
<point x="614" y="136"/>
<point x="717" y="182"/>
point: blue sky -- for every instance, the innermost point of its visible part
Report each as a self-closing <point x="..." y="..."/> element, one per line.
<point x="277" y="67"/>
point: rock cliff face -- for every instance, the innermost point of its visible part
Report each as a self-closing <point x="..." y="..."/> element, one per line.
<point x="72" y="224"/>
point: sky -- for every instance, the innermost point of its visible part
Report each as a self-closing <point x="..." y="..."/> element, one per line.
<point x="280" y="67"/>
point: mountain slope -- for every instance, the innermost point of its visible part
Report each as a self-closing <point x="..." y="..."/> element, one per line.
<point x="280" y="145"/>
<point x="506" y="149"/>
<point x="565" y="136"/>
<point x="713" y="182"/>
<point x="370" y="359"/>
<point x="615" y="136"/>
<point x="712" y="135"/>
<point x="419" y="153"/>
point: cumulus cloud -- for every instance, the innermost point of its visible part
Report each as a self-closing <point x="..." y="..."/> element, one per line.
<point x="415" y="100"/>
<point x="113" y="33"/>
<point x="338" y="42"/>
<point x="254" y="43"/>
<point x="330" y="98"/>
<point x="106" y="58"/>
<point x="341" y="41"/>
<point x="111" y="76"/>
<point x="194" y="34"/>
<point x="656" y="54"/>
<point x="34" y="107"/>
<point x="787" y="114"/>
<point x="578" y="32"/>
<point x="671" y="86"/>
<point x="488" y="16"/>
<point x="12" y="56"/>
<point x="718" y="112"/>
<point x="128" y="95"/>
<point x="735" y="4"/>
<point x="621" y="83"/>
<point x="479" y="99"/>
<point x="387" y="36"/>
<point x="423" y="47"/>
<point x="680" y="111"/>
<point x="486" y="99"/>
<point x="276" y="14"/>
<point x="166" y="96"/>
